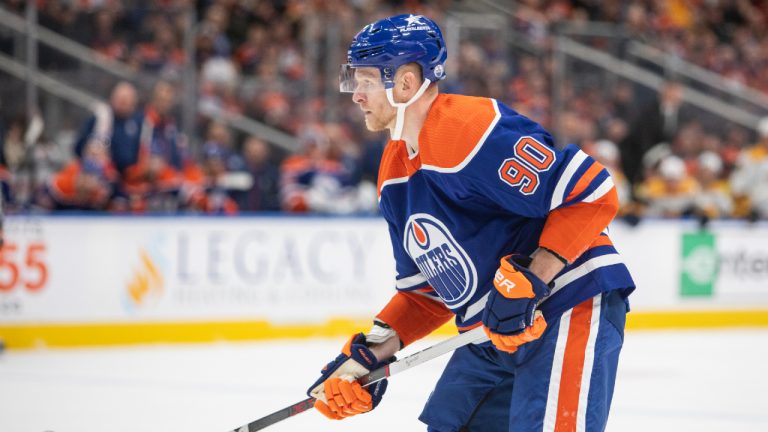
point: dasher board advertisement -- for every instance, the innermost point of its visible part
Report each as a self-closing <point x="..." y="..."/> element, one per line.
<point x="81" y="269"/>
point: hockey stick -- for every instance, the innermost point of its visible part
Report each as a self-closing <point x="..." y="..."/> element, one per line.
<point x="475" y="335"/>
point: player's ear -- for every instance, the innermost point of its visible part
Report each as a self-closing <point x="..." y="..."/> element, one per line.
<point x="409" y="82"/>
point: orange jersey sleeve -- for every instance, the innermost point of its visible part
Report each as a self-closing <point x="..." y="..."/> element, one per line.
<point x="569" y="231"/>
<point x="413" y="315"/>
<point x="588" y="208"/>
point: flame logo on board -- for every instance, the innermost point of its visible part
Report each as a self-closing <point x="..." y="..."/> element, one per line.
<point x="147" y="280"/>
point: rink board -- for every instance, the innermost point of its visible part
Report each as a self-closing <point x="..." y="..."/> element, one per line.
<point x="79" y="280"/>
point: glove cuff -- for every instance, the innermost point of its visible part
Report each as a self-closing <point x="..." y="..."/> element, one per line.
<point x="357" y="349"/>
<point x="521" y="263"/>
<point x="380" y="332"/>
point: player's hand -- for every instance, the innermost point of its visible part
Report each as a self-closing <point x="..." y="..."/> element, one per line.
<point x="510" y="318"/>
<point x="338" y="393"/>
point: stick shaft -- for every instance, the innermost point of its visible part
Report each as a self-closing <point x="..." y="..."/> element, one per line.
<point x="429" y="353"/>
<point x="475" y="335"/>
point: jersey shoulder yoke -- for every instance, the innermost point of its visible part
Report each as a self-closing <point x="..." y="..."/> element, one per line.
<point x="455" y="130"/>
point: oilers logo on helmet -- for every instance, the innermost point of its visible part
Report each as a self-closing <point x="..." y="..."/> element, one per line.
<point x="441" y="259"/>
<point x="439" y="70"/>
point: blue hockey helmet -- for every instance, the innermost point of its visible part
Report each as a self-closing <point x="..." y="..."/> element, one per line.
<point x="392" y="42"/>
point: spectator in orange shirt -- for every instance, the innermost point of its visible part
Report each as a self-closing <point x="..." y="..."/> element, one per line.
<point x="84" y="184"/>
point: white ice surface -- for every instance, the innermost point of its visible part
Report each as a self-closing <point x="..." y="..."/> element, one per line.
<point x="668" y="381"/>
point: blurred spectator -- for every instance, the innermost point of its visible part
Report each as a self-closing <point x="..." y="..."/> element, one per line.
<point x="216" y="21"/>
<point x="658" y="122"/>
<point x="162" y="53"/>
<point x="62" y="18"/>
<point x="153" y="181"/>
<point x="714" y="199"/>
<point x="316" y="180"/>
<point x="220" y="136"/>
<point x="14" y="148"/>
<point x="225" y="175"/>
<point x="12" y="156"/>
<point x="46" y="159"/>
<point x="637" y="21"/>
<point x="652" y="159"/>
<point x="687" y="143"/>
<point x="735" y="141"/>
<point x="105" y="40"/>
<point x="750" y="178"/>
<point x="671" y="193"/>
<point x="116" y="126"/>
<point x="214" y="198"/>
<point x="84" y="184"/>
<point x="31" y="159"/>
<point x="5" y="175"/>
<point x="263" y="196"/>
<point x="220" y="81"/>
<point x="251" y="52"/>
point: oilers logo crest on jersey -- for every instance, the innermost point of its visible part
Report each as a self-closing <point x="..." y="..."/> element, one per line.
<point x="441" y="259"/>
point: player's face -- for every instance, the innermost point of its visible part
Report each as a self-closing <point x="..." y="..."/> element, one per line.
<point x="369" y="94"/>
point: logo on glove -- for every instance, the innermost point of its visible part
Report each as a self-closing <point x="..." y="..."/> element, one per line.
<point x="503" y="282"/>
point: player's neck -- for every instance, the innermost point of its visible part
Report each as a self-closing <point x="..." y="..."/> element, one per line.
<point x="415" y="115"/>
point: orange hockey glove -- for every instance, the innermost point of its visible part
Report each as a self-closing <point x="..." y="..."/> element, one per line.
<point x="344" y="399"/>
<point x="510" y="318"/>
<point x="338" y="394"/>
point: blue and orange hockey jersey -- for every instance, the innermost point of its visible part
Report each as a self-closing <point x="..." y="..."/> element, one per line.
<point x="486" y="182"/>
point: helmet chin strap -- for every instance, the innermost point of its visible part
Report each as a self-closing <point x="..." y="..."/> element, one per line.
<point x="400" y="120"/>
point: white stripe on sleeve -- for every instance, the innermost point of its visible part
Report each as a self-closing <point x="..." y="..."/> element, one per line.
<point x="476" y="307"/>
<point x="601" y="190"/>
<point x="559" y="194"/>
<point x="410" y="281"/>
<point x="582" y="270"/>
<point x="429" y="295"/>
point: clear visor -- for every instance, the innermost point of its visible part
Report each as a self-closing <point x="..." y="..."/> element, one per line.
<point x="360" y="79"/>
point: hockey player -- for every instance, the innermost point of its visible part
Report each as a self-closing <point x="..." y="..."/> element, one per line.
<point x="494" y="226"/>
